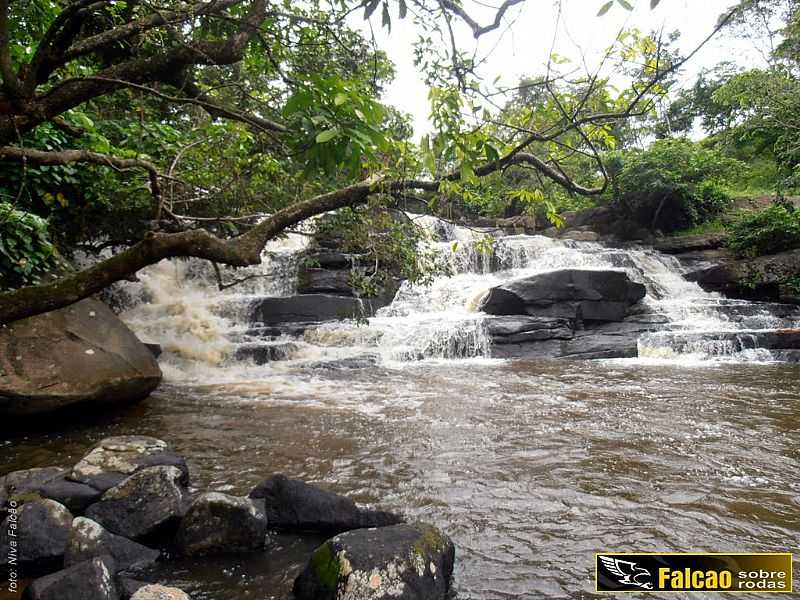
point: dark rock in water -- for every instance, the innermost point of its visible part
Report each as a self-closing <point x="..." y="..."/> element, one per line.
<point x="726" y="342"/>
<point x="77" y="497"/>
<point x="90" y="580"/>
<point x="401" y="562"/>
<point x="222" y="524"/>
<point x="128" y="586"/>
<point x="690" y="243"/>
<point x="579" y="294"/>
<point x="325" y="281"/>
<point x="75" y="355"/>
<point x="295" y="505"/>
<point x="159" y="592"/>
<point x="154" y="348"/>
<point x="39" y="530"/>
<point x="311" y="308"/>
<point x="514" y="329"/>
<point x="760" y="278"/>
<point x="25" y="484"/>
<point x="144" y="505"/>
<point x="261" y="354"/>
<point x="362" y="361"/>
<point x="89" y="540"/>
<point x="115" y="458"/>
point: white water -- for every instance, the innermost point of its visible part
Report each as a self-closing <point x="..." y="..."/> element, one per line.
<point x="178" y="305"/>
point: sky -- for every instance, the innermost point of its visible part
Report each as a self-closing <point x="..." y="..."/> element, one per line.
<point x="523" y="47"/>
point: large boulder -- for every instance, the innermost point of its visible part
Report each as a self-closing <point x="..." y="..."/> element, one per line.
<point x="401" y="562"/>
<point x="47" y="482"/>
<point x="93" y="579"/>
<point x="295" y="505"/>
<point x="690" y="243"/>
<point x="79" y="354"/>
<point x="19" y="485"/>
<point x="221" y="524"/>
<point x="35" y="535"/>
<point x="311" y="308"/>
<point x="115" y="458"/>
<point x="89" y="540"/>
<point x="144" y="505"/>
<point x="577" y="294"/>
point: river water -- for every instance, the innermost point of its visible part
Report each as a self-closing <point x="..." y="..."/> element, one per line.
<point x="530" y="467"/>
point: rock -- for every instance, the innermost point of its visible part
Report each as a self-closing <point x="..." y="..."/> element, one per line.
<point x="38" y="531"/>
<point x="159" y="592"/>
<point x="18" y="485"/>
<point x="311" y="308"/>
<point x="263" y="353"/>
<point x="690" y="243"/>
<point x="577" y="235"/>
<point x="578" y="294"/>
<point x="362" y="361"/>
<point x="77" y="497"/>
<point x="514" y="329"/>
<point x="401" y="562"/>
<point x="128" y="586"/>
<point x="90" y="580"/>
<point x="759" y="278"/>
<point x="115" y="458"/>
<point x="221" y="524"/>
<point x="295" y="505"/>
<point x="783" y="342"/>
<point x="144" y="505"/>
<point x="75" y="355"/>
<point x="325" y="281"/>
<point x="89" y="539"/>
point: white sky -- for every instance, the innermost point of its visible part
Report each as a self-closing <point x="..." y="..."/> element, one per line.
<point x="523" y="48"/>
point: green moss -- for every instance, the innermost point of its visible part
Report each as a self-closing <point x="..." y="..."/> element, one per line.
<point x="429" y="541"/>
<point x="325" y="567"/>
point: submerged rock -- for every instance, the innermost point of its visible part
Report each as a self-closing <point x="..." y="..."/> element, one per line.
<point x="39" y="532"/>
<point x="220" y="524"/>
<point x="75" y="355"/>
<point x="295" y="505"/>
<point x="144" y="505"/>
<point x="159" y="592"/>
<point x="401" y="562"/>
<point x="577" y="294"/>
<point x="115" y="458"/>
<point x="89" y="539"/>
<point x="89" y="580"/>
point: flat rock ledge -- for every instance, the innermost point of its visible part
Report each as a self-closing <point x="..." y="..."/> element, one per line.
<point x="129" y="506"/>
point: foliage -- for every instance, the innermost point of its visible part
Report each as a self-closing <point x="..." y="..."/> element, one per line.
<point x="767" y="231"/>
<point x="26" y="253"/>
<point x="674" y="184"/>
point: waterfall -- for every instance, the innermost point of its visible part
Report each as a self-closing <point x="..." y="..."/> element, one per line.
<point x="178" y="305"/>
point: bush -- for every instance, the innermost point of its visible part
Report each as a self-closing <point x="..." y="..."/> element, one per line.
<point x="674" y="184"/>
<point x="25" y="249"/>
<point x="767" y="231"/>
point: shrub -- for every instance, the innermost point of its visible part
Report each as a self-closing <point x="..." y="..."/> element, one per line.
<point x="25" y="249"/>
<point x="767" y="231"/>
<point x="674" y="184"/>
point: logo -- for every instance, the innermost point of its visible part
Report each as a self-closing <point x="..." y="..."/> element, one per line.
<point x="627" y="573"/>
<point x="693" y="572"/>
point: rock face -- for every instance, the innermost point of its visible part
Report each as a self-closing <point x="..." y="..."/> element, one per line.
<point x="295" y="505"/>
<point x="115" y="458"/>
<point x="221" y="524"/>
<point x="159" y="592"/>
<point x="690" y="243"/>
<point x="577" y="294"/>
<point x="93" y="579"/>
<point x="401" y="562"/>
<point x="79" y="354"/>
<point x="760" y="278"/>
<point x="49" y="483"/>
<point x="311" y="308"/>
<point x="89" y="540"/>
<point x="18" y="484"/>
<point x="38" y="531"/>
<point x="144" y="505"/>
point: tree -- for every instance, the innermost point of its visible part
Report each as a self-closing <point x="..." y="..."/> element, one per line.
<point x="258" y="64"/>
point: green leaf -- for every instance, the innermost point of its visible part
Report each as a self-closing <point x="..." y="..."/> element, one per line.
<point x="625" y="4"/>
<point x="340" y="99"/>
<point x="327" y="135"/>
<point x="369" y="7"/>
<point x="654" y="3"/>
<point x="387" y="18"/>
<point x="403" y="9"/>
<point x="605" y="8"/>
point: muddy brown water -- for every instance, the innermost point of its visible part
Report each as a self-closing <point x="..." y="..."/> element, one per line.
<point x="531" y="468"/>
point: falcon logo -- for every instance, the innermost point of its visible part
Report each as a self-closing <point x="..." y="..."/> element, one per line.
<point x="627" y="573"/>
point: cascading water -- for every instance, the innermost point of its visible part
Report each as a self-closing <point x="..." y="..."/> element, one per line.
<point x="180" y="306"/>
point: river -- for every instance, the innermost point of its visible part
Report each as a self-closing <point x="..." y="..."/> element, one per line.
<point x="530" y="466"/>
